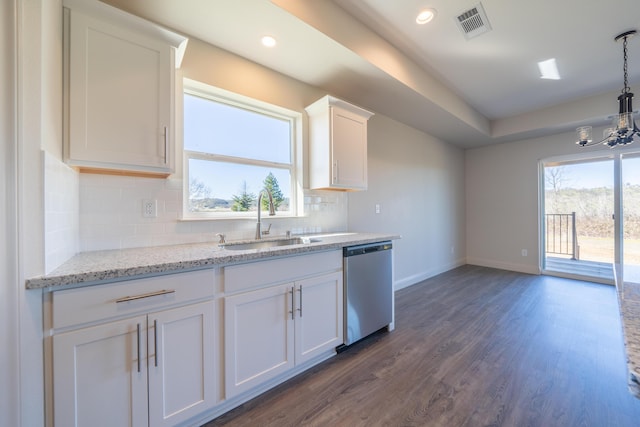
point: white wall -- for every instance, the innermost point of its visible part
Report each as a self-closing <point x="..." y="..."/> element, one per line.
<point x="502" y="185"/>
<point x="9" y="333"/>
<point x="418" y="181"/>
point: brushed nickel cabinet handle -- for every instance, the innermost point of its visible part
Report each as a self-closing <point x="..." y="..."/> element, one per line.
<point x="155" y="341"/>
<point x="148" y="295"/>
<point x="292" y="311"/>
<point x="300" y="308"/>
<point x="166" y="145"/>
<point x="139" y="345"/>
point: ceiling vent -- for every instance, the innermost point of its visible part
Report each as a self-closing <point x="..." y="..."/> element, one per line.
<point x="473" y="22"/>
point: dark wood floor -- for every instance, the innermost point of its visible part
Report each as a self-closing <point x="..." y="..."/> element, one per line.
<point x="472" y="347"/>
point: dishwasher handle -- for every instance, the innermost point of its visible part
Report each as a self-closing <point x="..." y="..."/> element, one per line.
<point x="366" y="249"/>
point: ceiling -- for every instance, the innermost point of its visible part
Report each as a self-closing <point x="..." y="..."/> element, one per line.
<point x="469" y="92"/>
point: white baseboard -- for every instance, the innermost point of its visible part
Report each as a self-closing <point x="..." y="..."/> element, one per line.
<point x="417" y="278"/>
<point x="520" y="268"/>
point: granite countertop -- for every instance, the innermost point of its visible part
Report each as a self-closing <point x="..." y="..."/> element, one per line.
<point x="91" y="268"/>
<point x="629" y="303"/>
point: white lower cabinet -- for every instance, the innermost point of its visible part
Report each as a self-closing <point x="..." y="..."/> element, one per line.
<point x="319" y="316"/>
<point x="152" y="351"/>
<point x="96" y="378"/>
<point x="269" y="331"/>
<point x="181" y="376"/>
<point x="258" y="337"/>
<point x="153" y="369"/>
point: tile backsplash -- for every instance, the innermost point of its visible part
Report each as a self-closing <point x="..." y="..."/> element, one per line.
<point x="110" y="215"/>
<point x="61" y="207"/>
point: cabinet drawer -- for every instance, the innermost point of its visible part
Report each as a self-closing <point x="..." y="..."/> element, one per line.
<point x="94" y="303"/>
<point x="260" y="273"/>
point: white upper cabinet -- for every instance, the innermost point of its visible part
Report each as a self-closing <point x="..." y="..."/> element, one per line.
<point x="337" y="145"/>
<point x="119" y="87"/>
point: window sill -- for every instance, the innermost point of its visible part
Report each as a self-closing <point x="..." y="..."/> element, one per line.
<point x="265" y="218"/>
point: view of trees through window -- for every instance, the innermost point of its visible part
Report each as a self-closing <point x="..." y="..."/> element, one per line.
<point x="588" y="190"/>
<point x="234" y="150"/>
<point x="592" y="203"/>
<point x="201" y="197"/>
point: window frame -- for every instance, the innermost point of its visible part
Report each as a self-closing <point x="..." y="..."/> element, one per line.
<point x="215" y="94"/>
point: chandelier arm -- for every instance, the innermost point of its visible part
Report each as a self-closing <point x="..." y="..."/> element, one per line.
<point x="592" y="143"/>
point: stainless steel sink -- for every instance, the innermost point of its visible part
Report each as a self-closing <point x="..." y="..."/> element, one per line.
<point x="264" y="244"/>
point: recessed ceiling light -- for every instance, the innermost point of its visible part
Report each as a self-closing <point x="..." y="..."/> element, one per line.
<point x="549" y="69"/>
<point x="268" y="41"/>
<point x="425" y="16"/>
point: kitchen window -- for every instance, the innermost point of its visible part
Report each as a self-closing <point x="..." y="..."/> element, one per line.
<point x="234" y="147"/>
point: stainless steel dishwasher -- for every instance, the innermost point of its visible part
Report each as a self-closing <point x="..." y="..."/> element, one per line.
<point x="368" y="289"/>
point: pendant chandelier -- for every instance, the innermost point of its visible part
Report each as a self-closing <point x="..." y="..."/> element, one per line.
<point x="623" y="127"/>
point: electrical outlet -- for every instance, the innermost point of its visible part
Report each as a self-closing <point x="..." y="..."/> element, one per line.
<point x="524" y="252"/>
<point x="377" y="208"/>
<point x="149" y="208"/>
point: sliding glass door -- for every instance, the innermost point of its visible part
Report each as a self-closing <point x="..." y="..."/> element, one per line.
<point x="591" y="217"/>
<point x="578" y="237"/>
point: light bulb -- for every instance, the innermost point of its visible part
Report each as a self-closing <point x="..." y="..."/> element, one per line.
<point x="268" y="41"/>
<point x="425" y="16"/>
<point x="584" y="135"/>
<point x="623" y="122"/>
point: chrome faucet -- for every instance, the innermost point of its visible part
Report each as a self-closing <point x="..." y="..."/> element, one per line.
<point x="272" y="211"/>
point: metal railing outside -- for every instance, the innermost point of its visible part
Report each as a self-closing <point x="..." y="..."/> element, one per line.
<point x="560" y="233"/>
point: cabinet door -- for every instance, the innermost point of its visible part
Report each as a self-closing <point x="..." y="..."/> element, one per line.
<point x="348" y="149"/>
<point x="101" y="375"/>
<point x="319" y="316"/>
<point x="258" y="337"/>
<point x="120" y="92"/>
<point x="181" y="363"/>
